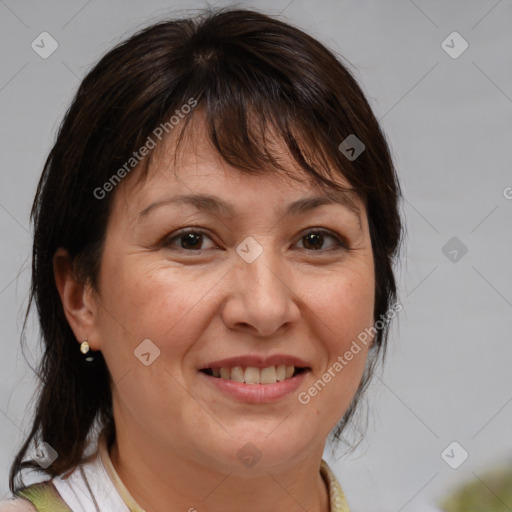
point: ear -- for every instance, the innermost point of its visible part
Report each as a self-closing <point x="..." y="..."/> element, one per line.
<point x="78" y="300"/>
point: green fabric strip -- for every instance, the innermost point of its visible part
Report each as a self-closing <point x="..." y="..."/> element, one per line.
<point x="44" y="497"/>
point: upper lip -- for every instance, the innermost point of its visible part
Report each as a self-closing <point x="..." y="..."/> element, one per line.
<point x="257" y="361"/>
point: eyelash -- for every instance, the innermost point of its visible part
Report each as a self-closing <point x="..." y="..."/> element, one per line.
<point x="341" y="244"/>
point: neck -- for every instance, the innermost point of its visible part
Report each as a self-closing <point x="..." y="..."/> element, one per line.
<point x="167" y="482"/>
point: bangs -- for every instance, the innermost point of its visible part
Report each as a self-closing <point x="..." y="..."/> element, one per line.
<point x="256" y="143"/>
<point x="254" y="105"/>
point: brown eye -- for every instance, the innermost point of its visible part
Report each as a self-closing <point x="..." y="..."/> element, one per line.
<point x="314" y="240"/>
<point x="190" y="240"/>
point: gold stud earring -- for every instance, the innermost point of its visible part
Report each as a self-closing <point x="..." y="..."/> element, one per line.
<point x="84" y="347"/>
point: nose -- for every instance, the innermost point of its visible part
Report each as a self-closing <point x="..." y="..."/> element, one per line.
<point x="261" y="296"/>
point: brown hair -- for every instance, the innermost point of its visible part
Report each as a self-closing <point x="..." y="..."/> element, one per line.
<point x="233" y="63"/>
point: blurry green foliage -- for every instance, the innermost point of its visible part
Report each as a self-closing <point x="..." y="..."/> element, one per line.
<point x="489" y="493"/>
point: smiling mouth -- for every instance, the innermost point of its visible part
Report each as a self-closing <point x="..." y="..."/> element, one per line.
<point x="253" y="375"/>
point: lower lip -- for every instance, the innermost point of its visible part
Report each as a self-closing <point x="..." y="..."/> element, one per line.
<point x="256" y="393"/>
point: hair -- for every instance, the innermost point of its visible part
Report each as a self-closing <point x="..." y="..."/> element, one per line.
<point x="247" y="72"/>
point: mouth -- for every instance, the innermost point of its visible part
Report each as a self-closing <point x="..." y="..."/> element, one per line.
<point x="254" y="375"/>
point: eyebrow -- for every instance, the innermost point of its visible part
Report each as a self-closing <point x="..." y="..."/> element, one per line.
<point x="217" y="205"/>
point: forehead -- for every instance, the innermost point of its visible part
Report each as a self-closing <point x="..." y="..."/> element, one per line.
<point x="198" y="174"/>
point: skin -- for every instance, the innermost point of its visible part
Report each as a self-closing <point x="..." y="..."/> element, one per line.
<point x="177" y="436"/>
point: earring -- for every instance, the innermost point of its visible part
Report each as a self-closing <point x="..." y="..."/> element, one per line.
<point x="84" y="348"/>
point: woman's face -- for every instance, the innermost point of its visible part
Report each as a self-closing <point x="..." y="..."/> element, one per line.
<point x="255" y="280"/>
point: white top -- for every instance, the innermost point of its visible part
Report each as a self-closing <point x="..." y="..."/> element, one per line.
<point x="88" y="489"/>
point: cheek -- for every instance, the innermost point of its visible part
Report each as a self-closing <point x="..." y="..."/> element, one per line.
<point x="343" y="310"/>
<point x="145" y="299"/>
<point x="345" y="304"/>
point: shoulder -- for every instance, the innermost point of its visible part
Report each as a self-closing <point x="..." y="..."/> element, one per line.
<point x="43" y="496"/>
<point x="16" y="505"/>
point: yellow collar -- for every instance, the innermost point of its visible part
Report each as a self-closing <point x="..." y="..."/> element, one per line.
<point x="337" y="500"/>
<point x="112" y="473"/>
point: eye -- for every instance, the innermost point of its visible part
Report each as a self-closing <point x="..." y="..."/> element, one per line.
<point x="314" y="239"/>
<point x="187" y="240"/>
<point x="191" y="240"/>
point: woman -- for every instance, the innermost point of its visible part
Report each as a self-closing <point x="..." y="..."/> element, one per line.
<point x="214" y="238"/>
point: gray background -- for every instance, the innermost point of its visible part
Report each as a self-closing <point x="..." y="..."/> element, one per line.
<point x="449" y="122"/>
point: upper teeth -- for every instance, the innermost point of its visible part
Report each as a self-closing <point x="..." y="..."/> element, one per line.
<point x="252" y="375"/>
